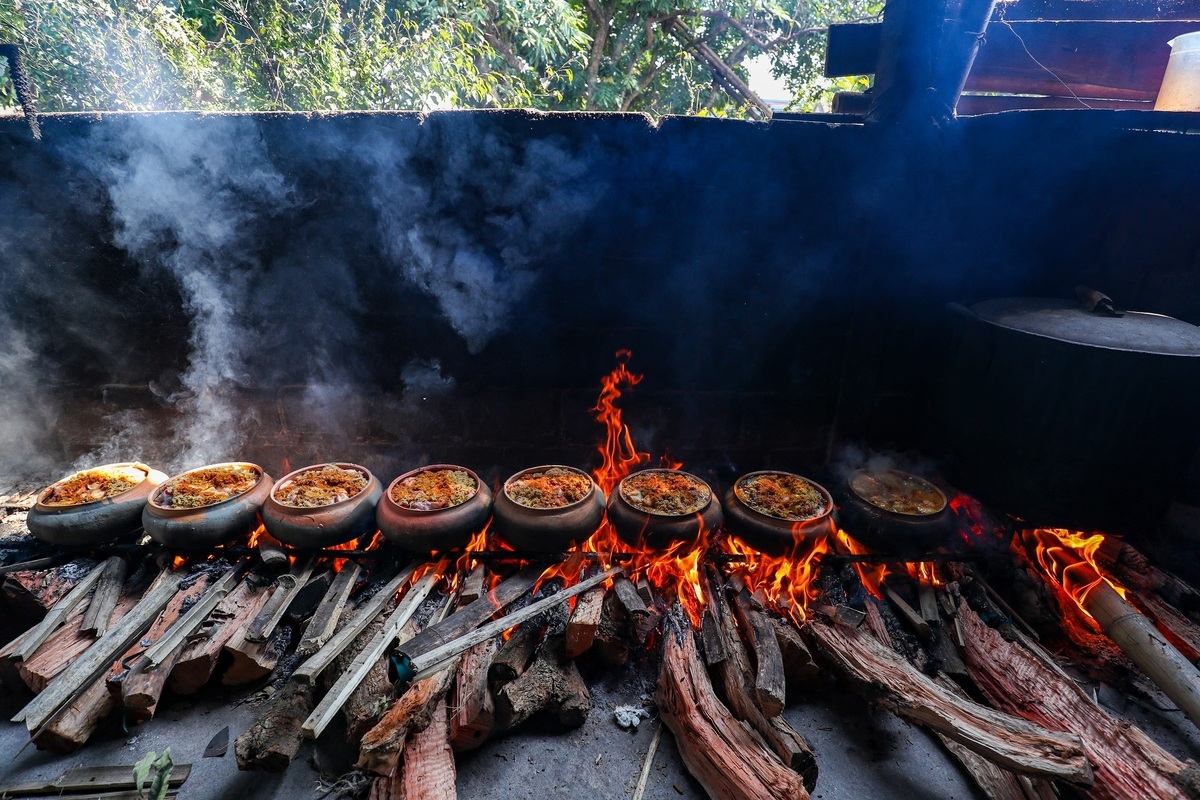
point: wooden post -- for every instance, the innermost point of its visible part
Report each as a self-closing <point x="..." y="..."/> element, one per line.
<point x="474" y="707"/>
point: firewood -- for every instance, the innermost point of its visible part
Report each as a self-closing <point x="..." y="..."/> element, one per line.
<point x="380" y="749"/>
<point x="76" y="780"/>
<point x="271" y="614"/>
<point x="881" y="675"/>
<point x="799" y="669"/>
<point x="28" y="594"/>
<point x="640" y="620"/>
<point x="370" y="655"/>
<point x="736" y="680"/>
<point x="552" y="683"/>
<point x="770" y="686"/>
<point x="1127" y="763"/>
<point x="271" y="551"/>
<point x="104" y="599"/>
<point x="274" y="740"/>
<point x="472" y="585"/>
<point x="363" y="616"/>
<point x="141" y="684"/>
<point x="428" y="765"/>
<point x="58" y="614"/>
<point x="722" y="755"/>
<point x="611" y="643"/>
<point x="172" y="642"/>
<point x="198" y="660"/>
<point x="76" y="724"/>
<point x="325" y="619"/>
<point x="581" y="629"/>
<point x="917" y="622"/>
<point x="466" y="620"/>
<point x="474" y="708"/>
<point x="374" y="696"/>
<point x="253" y="661"/>
<point x="515" y="654"/>
<point x="100" y="656"/>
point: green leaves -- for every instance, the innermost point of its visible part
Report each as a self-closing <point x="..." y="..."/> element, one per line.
<point x="156" y="768"/>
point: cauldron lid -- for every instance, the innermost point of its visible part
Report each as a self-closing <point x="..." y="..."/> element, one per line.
<point x="1067" y="321"/>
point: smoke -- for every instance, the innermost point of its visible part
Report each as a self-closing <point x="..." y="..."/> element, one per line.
<point x="422" y="380"/>
<point x="466" y="220"/>
<point x="186" y="195"/>
<point x="28" y="413"/>
<point x="853" y="457"/>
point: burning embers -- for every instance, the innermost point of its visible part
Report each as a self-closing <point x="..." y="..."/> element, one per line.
<point x="483" y="630"/>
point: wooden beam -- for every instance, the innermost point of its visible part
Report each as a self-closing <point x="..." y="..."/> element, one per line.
<point x="104" y="599"/>
<point x="1115" y="60"/>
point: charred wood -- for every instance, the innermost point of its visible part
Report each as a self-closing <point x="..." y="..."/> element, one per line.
<point x="552" y="683"/>
<point x="104" y="599"/>
<point x="325" y="619"/>
<point x="474" y="708"/>
<point x="198" y="660"/>
<point x="274" y="740"/>
<point x="611" y="643"/>
<point x="770" y="686"/>
<point x="585" y="620"/>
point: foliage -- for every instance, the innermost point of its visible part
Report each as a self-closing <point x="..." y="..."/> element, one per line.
<point x="657" y="56"/>
<point x="156" y="769"/>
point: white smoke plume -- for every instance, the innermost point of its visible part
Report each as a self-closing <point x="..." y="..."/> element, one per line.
<point x="185" y="194"/>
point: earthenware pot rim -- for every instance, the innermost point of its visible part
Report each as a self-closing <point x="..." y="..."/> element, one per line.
<point x="151" y="501"/>
<point x="711" y="494"/>
<point x="899" y="514"/>
<point x="144" y="469"/>
<point x="543" y="468"/>
<point x="824" y="493"/>
<point x="366" y="473"/>
<point x="388" y="492"/>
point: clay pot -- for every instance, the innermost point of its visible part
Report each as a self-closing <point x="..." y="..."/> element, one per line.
<point x="322" y="526"/>
<point x="437" y="529"/>
<point x="639" y="528"/>
<point x="890" y="532"/>
<point x="770" y="534"/>
<point x="97" y="521"/>
<point x="548" y="530"/>
<point x="201" y="529"/>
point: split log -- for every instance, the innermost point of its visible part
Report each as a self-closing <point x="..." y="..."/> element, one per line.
<point x="142" y="684"/>
<point x="585" y="619"/>
<point x="611" y="643"/>
<point x="881" y="675"/>
<point x="94" y="663"/>
<point x="325" y="619"/>
<point x="104" y="599"/>
<point x="1127" y="763"/>
<point x="770" y="686"/>
<point x="472" y="585"/>
<point x="428" y="765"/>
<point x="918" y="622"/>
<point x="198" y="660"/>
<point x="374" y="696"/>
<point x="28" y="594"/>
<point x="254" y="661"/>
<point x="380" y="749"/>
<point x="263" y="626"/>
<point x="736" y="679"/>
<point x="515" y="654"/>
<point x="274" y="740"/>
<point x="799" y="668"/>
<point x="722" y="755"/>
<point x="74" y="726"/>
<point x="57" y="616"/>
<point x="472" y="702"/>
<point x="632" y="603"/>
<point x="552" y="683"/>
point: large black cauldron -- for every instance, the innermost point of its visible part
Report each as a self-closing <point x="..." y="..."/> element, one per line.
<point x="1067" y="418"/>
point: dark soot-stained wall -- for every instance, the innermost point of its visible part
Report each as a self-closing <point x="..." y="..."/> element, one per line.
<point x="397" y="289"/>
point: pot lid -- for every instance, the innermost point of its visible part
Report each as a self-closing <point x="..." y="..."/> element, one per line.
<point x="1067" y="321"/>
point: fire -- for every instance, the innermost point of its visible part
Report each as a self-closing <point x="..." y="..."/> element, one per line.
<point x="255" y="535"/>
<point x="618" y="455"/>
<point x="178" y="563"/>
<point x="478" y="544"/>
<point x="871" y="575"/>
<point x="338" y="563"/>
<point x="787" y="581"/>
<point x="1070" y="558"/>
<point x="923" y="572"/>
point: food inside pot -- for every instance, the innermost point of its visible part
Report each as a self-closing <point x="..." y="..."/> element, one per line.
<point x="321" y="486"/>
<point x="898" y="492"/>
<point x="91" y="485"/>
<point x="554" y="488"/>
<point x="435" y="489"/>
<point x="665" y="492"/>
<point x="782" y="495"/>
<point x="206" y="486"/>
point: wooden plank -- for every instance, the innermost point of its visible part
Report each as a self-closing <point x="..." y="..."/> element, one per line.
<point x="323" y="714"/>
<point x="89" y="779"/>
<point x="104" y="599"/>
<point x="99" y="656"/>
<point x="286" y="588"/>
<point x="1119" y="60"/>
<point x="363" y="615"/>
<point x="325" y="619"/>
<point x="57" y="615"/>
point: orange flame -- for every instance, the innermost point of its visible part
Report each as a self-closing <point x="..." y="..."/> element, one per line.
<point x="338" y="563"/>
<point x="255" y="535"/>
<point x="924" y="572"/>
<point x="871" y="575"/>
<point x="618" y="455"/>
<point x="478" y="544"/>
<point x="178" y="563"/>
<point x="787" y="581"/>
<point x="1070" y="558"/>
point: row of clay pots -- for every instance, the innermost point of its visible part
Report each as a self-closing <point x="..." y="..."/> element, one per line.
<point x="535" y="530"/>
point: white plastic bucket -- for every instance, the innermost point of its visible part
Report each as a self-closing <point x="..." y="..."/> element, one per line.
<point x="1180" y="90"/>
